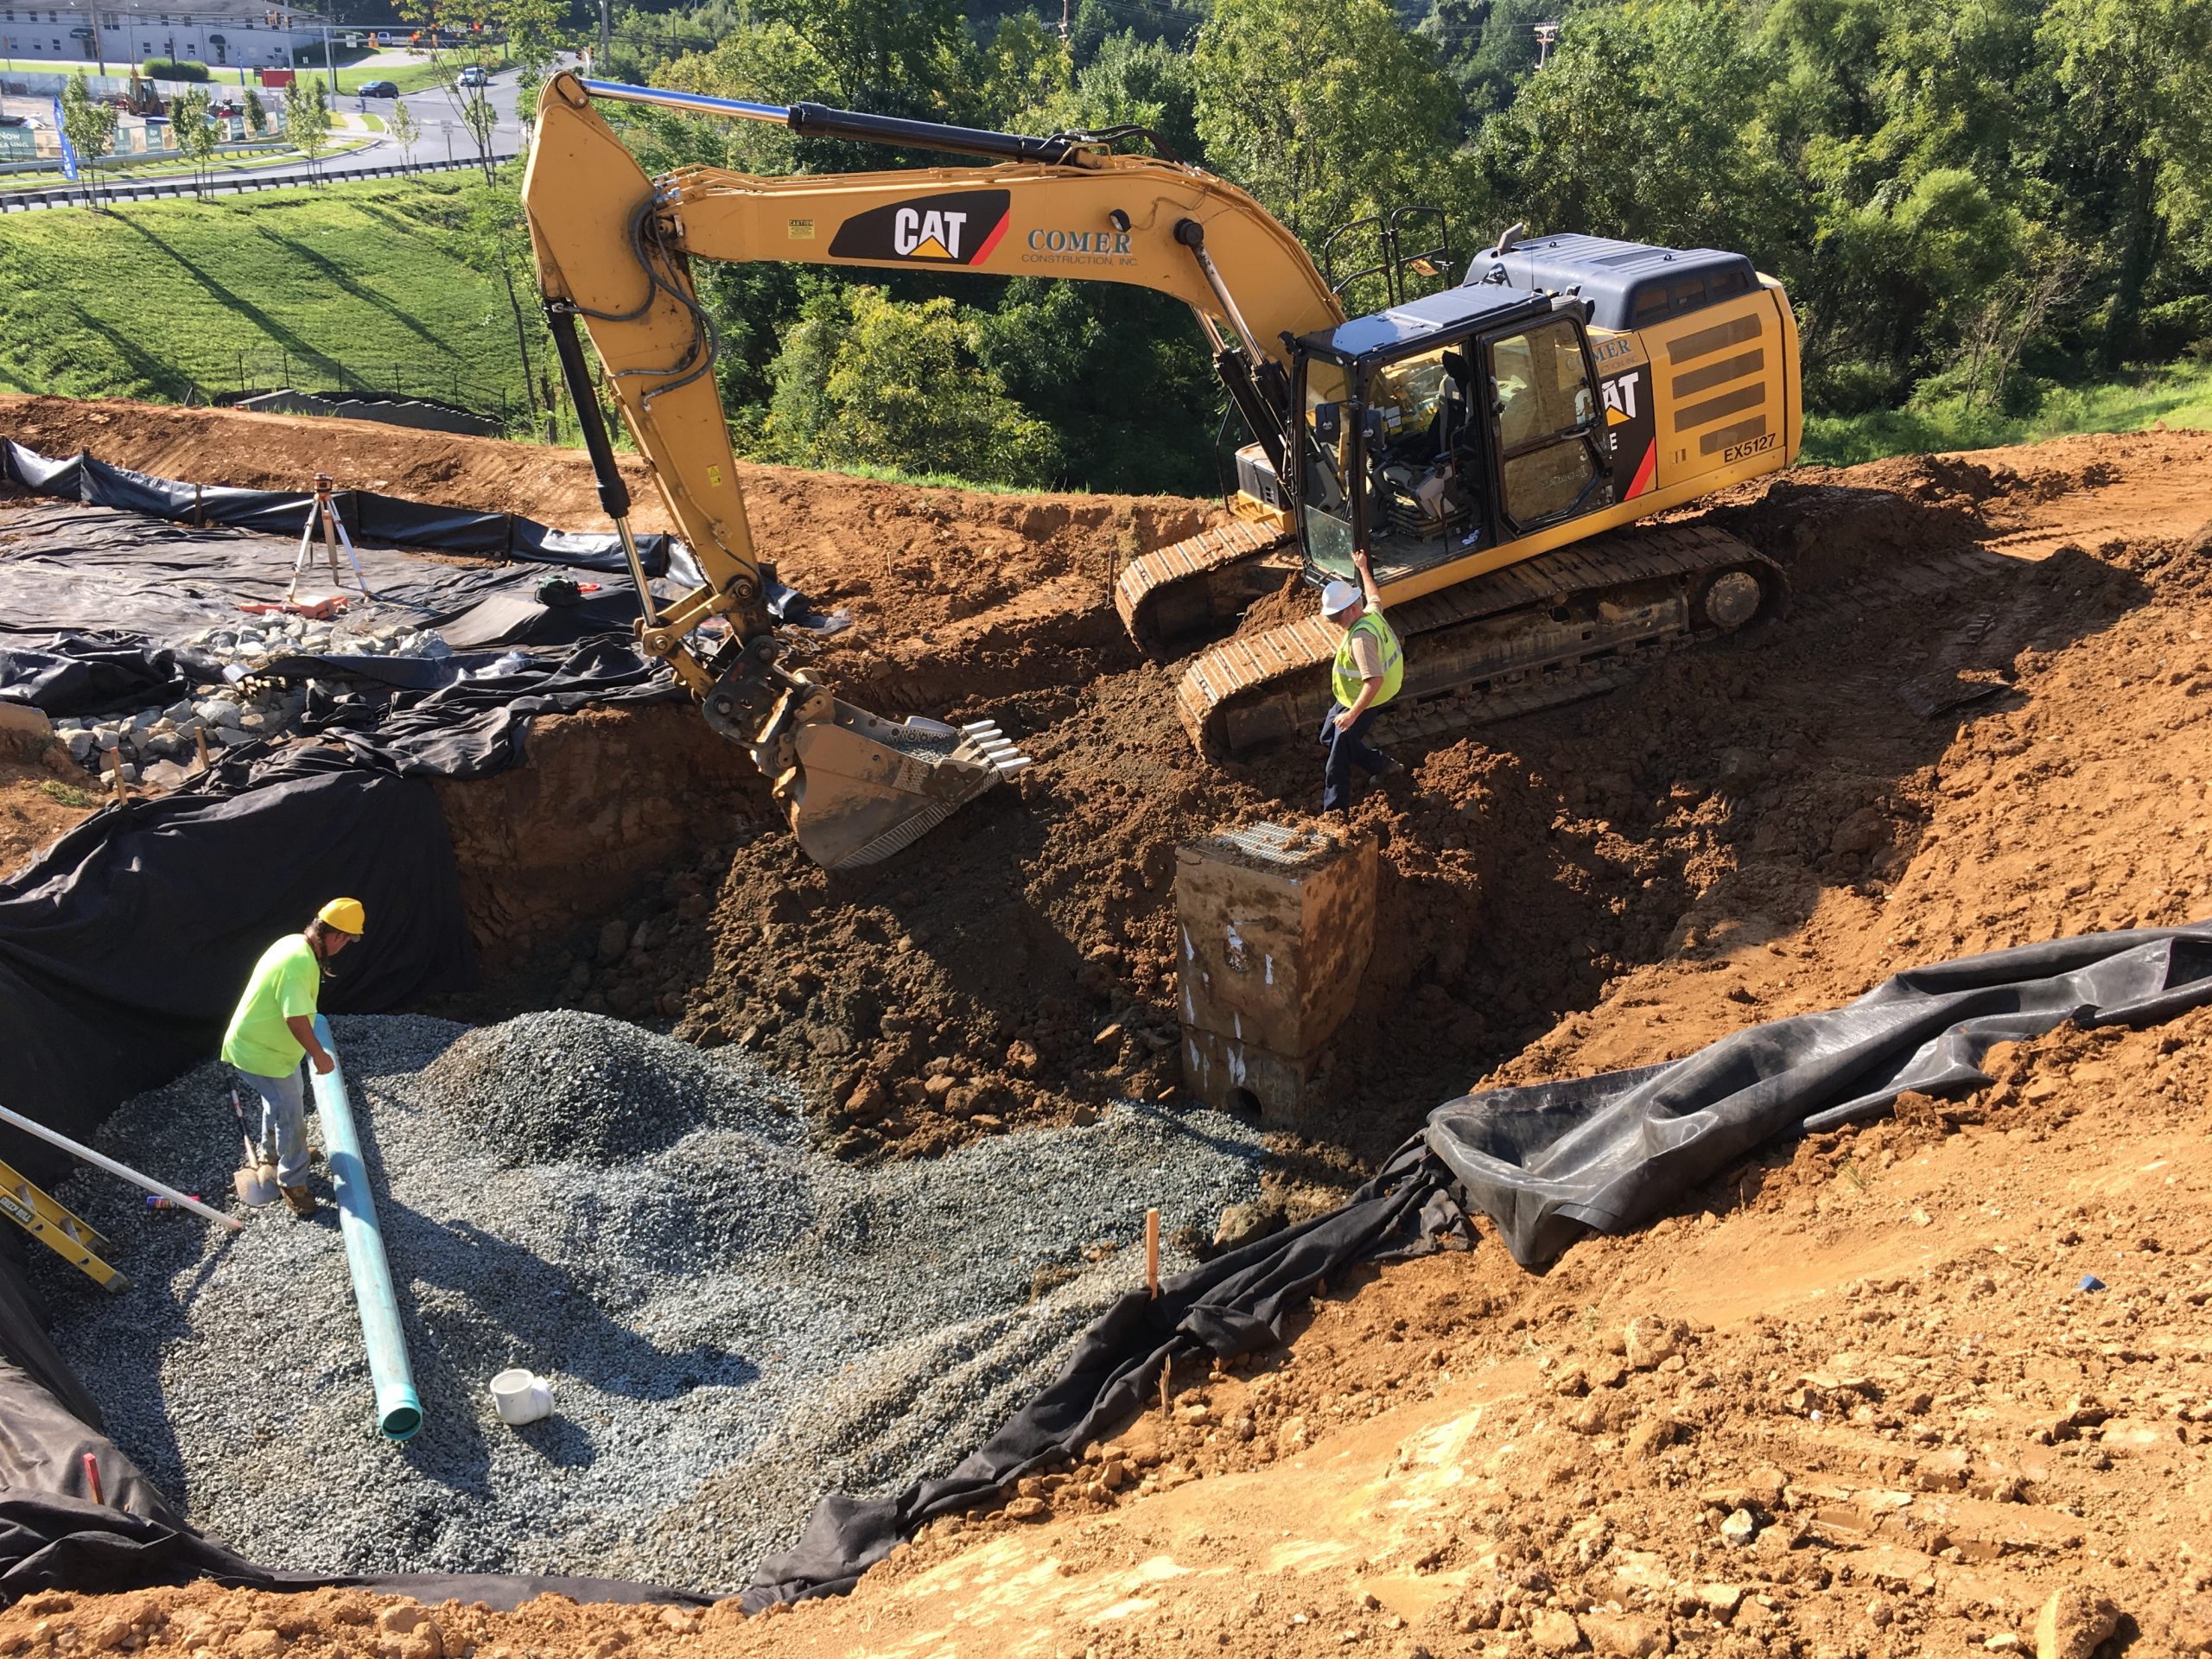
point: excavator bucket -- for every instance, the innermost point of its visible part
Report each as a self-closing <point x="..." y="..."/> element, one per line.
<point x="863" y="787"/>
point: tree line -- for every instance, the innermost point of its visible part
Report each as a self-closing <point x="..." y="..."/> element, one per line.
<point x="1968" y="197"/>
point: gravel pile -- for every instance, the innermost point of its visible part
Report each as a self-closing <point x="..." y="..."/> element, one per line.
<point x="733" y="1323"/>
<point x="574" y="1085"/>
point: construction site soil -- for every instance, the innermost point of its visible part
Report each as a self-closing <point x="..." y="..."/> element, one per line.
<point x="1981" y="724"/>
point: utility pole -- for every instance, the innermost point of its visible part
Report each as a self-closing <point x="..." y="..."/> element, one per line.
<point x="1064" y="22"/>
<point x="98" y="52"/>
<point x="605" y="36"/>
<point x="1547" y="33"/>
<point x="329" y="63"/>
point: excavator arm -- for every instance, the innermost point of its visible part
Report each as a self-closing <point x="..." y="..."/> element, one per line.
<point x="612" y="249"/>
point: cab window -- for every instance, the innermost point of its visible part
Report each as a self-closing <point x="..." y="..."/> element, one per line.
<point x="1545" y="409"/>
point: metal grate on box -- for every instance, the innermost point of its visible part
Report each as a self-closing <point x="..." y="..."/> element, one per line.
<point x="1278" y="844"/>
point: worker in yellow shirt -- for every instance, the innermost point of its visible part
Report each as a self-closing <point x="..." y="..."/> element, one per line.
<point x="274" y="1028"/>
<point x="1369" y="668"/>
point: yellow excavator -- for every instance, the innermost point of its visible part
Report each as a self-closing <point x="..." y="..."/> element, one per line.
<point x="1566" y="387"/>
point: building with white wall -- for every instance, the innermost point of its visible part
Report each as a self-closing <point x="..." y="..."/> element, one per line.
<point x="120" y="32"/>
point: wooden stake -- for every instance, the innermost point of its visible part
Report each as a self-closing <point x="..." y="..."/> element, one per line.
<point x="1152" y="1251"/>
<point x="114" y="770"/>
<point x="200" y="737"/>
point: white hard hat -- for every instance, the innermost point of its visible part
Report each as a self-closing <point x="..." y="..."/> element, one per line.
<point x="1338" y="596"/>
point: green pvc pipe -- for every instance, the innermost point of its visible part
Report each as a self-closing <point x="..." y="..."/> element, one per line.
<point x="400" y="1411"/>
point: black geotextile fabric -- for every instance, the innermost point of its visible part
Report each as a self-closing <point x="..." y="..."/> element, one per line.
<point x="121" y="951"/>
<point x="372" y="519"/>
<point x="123" y="948"/>
<point x="1548" y="1161"/>
<point x="77" y="570"/>
<point x="99" y="672"/>
<point x="475" y="726"/>
<point x="1233" y="1304"/>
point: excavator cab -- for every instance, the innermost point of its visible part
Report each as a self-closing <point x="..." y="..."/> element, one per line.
<point x="1444" y="426"/>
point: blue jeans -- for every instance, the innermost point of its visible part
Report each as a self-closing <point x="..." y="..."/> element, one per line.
<point x="283" y="1137"/>
<point x="1347" y="749"/>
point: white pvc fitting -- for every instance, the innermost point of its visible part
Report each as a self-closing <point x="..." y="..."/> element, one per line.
<point x="521" y="1397"/>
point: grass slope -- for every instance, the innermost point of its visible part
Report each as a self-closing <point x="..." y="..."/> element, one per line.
<point x="2178" y="395"/>
<point x="360" y="283"/>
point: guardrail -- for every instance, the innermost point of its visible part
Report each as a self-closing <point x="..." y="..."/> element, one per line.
<point x="122" y="190"/>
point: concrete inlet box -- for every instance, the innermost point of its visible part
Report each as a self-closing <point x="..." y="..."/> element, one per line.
<point x="1277" y="924"/>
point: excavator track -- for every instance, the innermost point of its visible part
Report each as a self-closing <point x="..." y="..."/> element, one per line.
<point x="1563" y="625"/>
<point x="1200" y="584"/>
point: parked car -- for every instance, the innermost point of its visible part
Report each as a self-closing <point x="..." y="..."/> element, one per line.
<point x="378" y="89"/>
<point x="474" y="75"/>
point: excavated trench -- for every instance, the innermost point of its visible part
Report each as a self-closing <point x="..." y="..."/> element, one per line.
<point x="635" y="866"/>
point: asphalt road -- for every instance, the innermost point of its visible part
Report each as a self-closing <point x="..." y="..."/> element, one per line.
<point x="438" y="114"/>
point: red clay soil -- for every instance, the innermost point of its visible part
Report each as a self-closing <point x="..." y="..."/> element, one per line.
<point x="926" y="570"/>
<point x="41" y="793"/>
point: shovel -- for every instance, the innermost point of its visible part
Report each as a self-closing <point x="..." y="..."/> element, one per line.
<point x="253" y="1180"/>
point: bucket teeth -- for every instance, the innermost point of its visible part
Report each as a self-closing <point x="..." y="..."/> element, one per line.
<point x="982" y="740"/>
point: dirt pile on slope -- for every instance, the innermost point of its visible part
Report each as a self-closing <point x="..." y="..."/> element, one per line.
<point x="1531" y="871"/>
<point x="1855" y="1399"/>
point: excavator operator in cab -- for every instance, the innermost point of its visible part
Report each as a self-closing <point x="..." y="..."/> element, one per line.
<point x="1369" y="667"/>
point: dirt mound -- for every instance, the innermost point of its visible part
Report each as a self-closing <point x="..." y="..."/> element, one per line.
<point x="40" y="795"/>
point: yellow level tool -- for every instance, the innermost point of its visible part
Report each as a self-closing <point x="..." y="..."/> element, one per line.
<point x="69" y="1237"/>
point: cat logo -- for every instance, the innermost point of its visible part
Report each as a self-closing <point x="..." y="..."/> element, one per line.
<point x="960" y="227"/>
<point x="1620" y="400"/>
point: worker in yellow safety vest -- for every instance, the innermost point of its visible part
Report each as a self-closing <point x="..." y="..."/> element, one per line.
<point x="1371" y="666"/>
<point x="273" y="1030"/>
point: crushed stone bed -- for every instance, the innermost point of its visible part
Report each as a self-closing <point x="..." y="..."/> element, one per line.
<point x="733" y="1322"/>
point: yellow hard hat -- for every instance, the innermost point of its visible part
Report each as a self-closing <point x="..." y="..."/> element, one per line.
<point x="344" y="914"/>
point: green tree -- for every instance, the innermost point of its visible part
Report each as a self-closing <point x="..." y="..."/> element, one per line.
<point x="1489" y="46"/>
<point x="887" y="56"/>
<point x="405" y="130"/>
<point x="256" y="113"/>
<point x="495" y="241"/>
<point x="1025" y="65"/>
<point x="306" y="120"/>
<point x="535" y="31"/>
<point x="1127" y="81"/>
<point x="481" y="119"/>
<point x="89" y="125"/>
<point x="1646" y="123"/>
<point x="2136" y="77"/>
<point x="195" y="132"/>
<point x="903" y="385"/>
<point x="530" y="82"/>
<point x="1323" y="109"/>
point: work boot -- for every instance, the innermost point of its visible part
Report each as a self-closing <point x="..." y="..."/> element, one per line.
<point x="1393" y="771"/>
<point x="299" y="1201"/>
